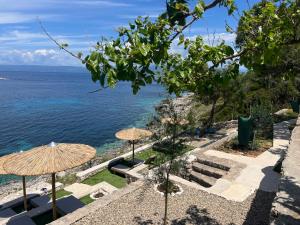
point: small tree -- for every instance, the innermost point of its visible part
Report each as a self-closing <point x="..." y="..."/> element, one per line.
<point x="166" y="161"/>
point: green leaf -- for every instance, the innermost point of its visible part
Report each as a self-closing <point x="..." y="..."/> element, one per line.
<point x="229" y="50"/>
<point x="148" y="79"/>
<point x="132" y="26"/>
<point x="199" y="10"/>
<point x="138" y="22"/>
<point x="228" y="28"/>
<point x="64" y="45"/>
<point x="144" y="49"/>
<point x="181" y="39"/>
<point x="111" y="81"/>
<point x="79" y="55"/>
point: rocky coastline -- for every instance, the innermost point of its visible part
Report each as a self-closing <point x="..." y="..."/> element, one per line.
<point x="181" y="106"/>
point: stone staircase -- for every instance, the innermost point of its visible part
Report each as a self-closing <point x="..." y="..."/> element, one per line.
<point x="206" y="172"/>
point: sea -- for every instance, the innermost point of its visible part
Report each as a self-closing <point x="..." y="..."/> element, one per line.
<point x="41" y="104"/>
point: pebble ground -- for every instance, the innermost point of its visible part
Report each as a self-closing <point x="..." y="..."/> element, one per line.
<point x="145" y="207"/>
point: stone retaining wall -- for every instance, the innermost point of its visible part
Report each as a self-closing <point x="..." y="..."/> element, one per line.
<point x="286" y="205"/>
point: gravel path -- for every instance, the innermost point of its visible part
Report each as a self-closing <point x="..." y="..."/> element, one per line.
<point x="145" y="207"/>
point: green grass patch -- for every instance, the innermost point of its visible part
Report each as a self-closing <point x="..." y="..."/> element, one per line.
<point x="61" y="193"/>
<point x="86" y="200"/>
<point x="166" y="147"/>
<point x="146" y="154"/>
<point x="106" y="175"/>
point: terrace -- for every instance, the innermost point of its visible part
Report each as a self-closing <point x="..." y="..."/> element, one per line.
<point x="215" y="175"/>
<point x="247" y="179"/>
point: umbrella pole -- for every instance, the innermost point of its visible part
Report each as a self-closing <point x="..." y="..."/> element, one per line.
<point x="133" y="151"/>
<point x="54" y="197"/>
<point x="24" y="193"/>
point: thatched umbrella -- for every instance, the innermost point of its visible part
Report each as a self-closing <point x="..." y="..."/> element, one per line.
<point x="2" y="160"/>
<point x="132" y="135"/>
<point x="5" y="158"/>
<point x="49" y="159"/>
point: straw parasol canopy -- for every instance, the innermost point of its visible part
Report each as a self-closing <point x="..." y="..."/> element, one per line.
<point x="2" y="160"/>
<point x="133" y="134"/>
<point x="5" y="158"/>
<point x="49" y="159"/>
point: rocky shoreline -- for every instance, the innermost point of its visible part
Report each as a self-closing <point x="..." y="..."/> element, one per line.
<point x="181" y="106"/>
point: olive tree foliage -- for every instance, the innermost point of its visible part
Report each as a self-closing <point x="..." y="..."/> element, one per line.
<point x="141" y="52"/>
<point x="269" y="35"/>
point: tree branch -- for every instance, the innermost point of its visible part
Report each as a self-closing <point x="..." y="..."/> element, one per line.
<point x="236" y="55"/>
<point x="58" y="44"/>
<point x="100" y="89"/>
<point x="212" y="4"/>
<point x="195" y="18"/>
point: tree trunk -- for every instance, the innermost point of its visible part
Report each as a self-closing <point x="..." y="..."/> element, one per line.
<point x="174" y="137"/>
<point x="133" y="152"/>
<point x="166" y="199"/>
<point x="212" y="114"/>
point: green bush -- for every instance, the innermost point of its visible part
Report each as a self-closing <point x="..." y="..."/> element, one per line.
<point x="263" y="119"/>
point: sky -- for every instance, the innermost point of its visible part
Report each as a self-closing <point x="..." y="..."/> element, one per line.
<point x="81" y="23"/>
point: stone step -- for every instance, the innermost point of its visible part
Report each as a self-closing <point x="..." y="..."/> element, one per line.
<point x="202" y="179"/>
<point x="213" y="164"/>
<point x="208" y="170"/>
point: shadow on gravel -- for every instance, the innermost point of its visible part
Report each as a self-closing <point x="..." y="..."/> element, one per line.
<point x="195" y="216"/>
<point x="138" y="220"/>
<point x="259" y="213"/>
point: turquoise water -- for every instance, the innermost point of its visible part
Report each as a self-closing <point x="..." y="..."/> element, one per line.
<point x="44" y="104"/>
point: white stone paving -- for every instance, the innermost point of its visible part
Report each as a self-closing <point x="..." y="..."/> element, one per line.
<point x="257" y="174"/>
<point x="80" y="190"/>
